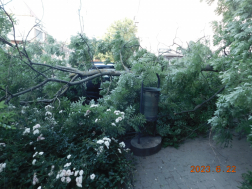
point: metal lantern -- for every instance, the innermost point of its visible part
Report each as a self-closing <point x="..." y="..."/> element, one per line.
<point x="149" y="101"/>
<point x="149" y="98"/>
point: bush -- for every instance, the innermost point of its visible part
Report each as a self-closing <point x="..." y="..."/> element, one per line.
<point x="72" y="147"/>
<point x="247" y="183"/>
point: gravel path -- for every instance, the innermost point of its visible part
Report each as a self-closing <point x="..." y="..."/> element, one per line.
<point x="171" y="168"/>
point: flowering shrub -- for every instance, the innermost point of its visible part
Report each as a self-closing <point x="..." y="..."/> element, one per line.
<point x="67" y="147"/>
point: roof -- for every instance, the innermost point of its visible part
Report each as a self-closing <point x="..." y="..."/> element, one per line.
<point x="168" y="54"/>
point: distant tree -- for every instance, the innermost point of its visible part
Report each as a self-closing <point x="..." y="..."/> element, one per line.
<point x="125" y="27"/>
<point x="121" y="30"/>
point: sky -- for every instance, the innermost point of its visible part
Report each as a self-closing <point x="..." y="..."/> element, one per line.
<point x="159" y="21"/>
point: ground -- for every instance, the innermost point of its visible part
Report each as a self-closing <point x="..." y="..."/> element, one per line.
<point x="171" y="168"/>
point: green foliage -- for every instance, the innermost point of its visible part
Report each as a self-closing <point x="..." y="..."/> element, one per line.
<point x="125" y="27"/>
<point x="234" y="33"/>
<point x="112" y="44"/>
<point x="62" y="132"/>
<point x="247" y="183"/>
<point x="6" y="117"/>
<point x="71" y="128"/>
<point x="5" y="26"/>
<point x="183" y="88"/>
<point x="83" y="51"/>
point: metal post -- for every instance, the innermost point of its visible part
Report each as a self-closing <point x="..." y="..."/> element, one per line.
<point x="141" y="110"/>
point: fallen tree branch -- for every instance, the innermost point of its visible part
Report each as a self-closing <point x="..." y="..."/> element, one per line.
<point x="59" y="93"/>
<point x="6" y="42"/>
<point x="125" y="67"/>
<point x="200" y="105"/>
<point x="103" y="72"/>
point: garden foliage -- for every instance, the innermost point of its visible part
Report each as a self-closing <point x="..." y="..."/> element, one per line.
<point x="66" y="144"/>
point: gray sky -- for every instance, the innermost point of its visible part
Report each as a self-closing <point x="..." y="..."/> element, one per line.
<point x="159" y="20"/>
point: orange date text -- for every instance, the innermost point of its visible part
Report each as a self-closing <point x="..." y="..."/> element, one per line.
<point x="217" y="169"/>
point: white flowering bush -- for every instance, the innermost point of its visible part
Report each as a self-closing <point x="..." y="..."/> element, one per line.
<point x="70" y="146"/>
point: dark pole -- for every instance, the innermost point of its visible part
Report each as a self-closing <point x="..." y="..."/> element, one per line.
<point x="141" y="109"/>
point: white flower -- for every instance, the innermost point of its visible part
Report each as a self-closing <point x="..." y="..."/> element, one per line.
<point x="87" y="113"/>
<point x="94" y="105"/>
<point x="107" y="139"/>
<point x="63" y="179"/>
<point x="92" y="176"/>
<point x="107" y="144"/>
<point x="48" y="113"/>
<point x="2" y="166"/>
<point x="79" y="181"/>
<point x="127" y="149"/>
<point x="35" y="179"/>
<point x="60" y="111"/>
<point x="76" y="173"/>
<point x="81" y="172"/>
<point x="50" y="174"/>
<point x="27" y="130"/>
<point x="67" y="165"/>
<point x="68" y="179"/>
<point x="31" y="143"/>
<point x="62" y="173"/>
<point x="100" y="142"/>
<point x="57" y="177"/>
<point x="2" y="144"/>
<point x="36" y="127"/>
<point x="36" y="132"/>
<point x="22" y="111"/>
<point x="118" y="119"/>
<point x="122" y="144"/>
<point x="34" y="161"/>
<point x="48" y="107"/>
<point x="69" y="172"/>
<point x="41" y="153"/>
<point x="101" y="149"/>
<point x="113" y="124"/>
<point x="39" y="187"/>
<point x="108" y="110"/>
<point x="68" y="157"/>
<point x="96" y="120"/>
<point x="79" y="184"/>
<point x="34" y="148"/>
<point x="40" y="138"/>
<point x="122" y="113"/>
<point x="52" y="166"/>
<point x="35" y="154"/>
<point x="119" y="150"/>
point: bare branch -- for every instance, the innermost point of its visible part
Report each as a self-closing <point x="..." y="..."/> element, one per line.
<point x="6" y="42"/>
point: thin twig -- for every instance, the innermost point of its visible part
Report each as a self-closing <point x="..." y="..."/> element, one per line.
<point x="200" y="105"/>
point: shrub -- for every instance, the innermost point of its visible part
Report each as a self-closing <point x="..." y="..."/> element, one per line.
<point x="69" y="148"/>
